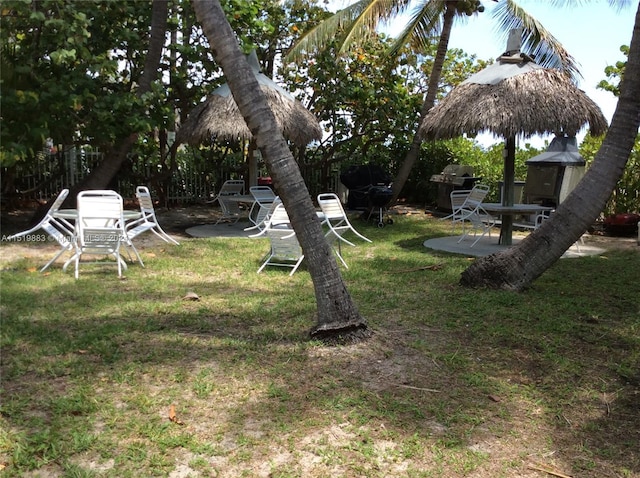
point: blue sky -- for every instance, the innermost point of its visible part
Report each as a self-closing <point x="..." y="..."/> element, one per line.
<point x="592" y="33"/>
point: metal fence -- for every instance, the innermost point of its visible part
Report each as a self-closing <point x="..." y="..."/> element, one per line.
<point x="190" y="182"/>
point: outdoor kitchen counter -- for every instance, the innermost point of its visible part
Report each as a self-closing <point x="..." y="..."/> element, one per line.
<point x="506" y="228"/>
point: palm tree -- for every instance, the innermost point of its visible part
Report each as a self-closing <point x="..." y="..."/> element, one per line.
<point x="431" y="17"/>
<point x="337" y="316"/>
<point x="517" y="267"/>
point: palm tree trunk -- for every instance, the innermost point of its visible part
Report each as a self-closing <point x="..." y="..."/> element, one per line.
<point x="432" y="91"/>
<point x="337" y="316"/>
<point x="517" y="267"/>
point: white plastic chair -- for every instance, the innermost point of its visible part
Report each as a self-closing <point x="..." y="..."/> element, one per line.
<point x="100" y="227"/>
<point x="261" y="226"/>
<point x="337" y="221"/>
<point x="231" y="187"/>
<point x="476" y="196"/>
<point x="230" y="209"/>
<point x="263" y="197"/>
<point x="148" y="221"/>
<point x="476" y="220"/>
<point x="285" y="249"/>
<point x="57" y="228"/>
<point x="336" y="218"/>
<point x="462" y="202"/>
<point x="458" y="198"/>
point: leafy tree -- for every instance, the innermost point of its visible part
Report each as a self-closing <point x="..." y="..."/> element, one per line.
<point x="367" y="104"/>
<point x="614" y="73"/>
<point x="75" y="72"/>
<point x="359" y="20"/>
<point x="71" y="76"/>
<point x="57" y="65"/>
<point x="626" y="195"/>
<point x="517" y="267"/>
<point x="338" y="316"/>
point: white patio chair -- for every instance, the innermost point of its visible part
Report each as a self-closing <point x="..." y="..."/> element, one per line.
<point x="148" y="221"/>
<point x="476" y="220"/>
<point x="337" y="221"/>
<point x="476" y="196"/>
<point x="262" y="226"/>
<point x="464" y="201"/>
<point x="231" y="210"/>
<point x="57" y="228"/>
<point x="285" y="249"/>
<point x="100" y="227"/>
<point x="458" y="198"/>
<point x="336" y="218"/>
<point x="231" y="187"/>
<point x="263" y="197"/>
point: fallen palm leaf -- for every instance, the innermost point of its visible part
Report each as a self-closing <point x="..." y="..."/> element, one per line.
<point x="411" y="387"/>
<point x="191" y="296"/>
<point x="548" y="469"/>
<point x="173" y="417"/>
<point x="434" y="267"/>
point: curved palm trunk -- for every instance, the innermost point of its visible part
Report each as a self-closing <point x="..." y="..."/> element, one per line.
<point x="109" y="167"/>
<point x="517" y="267"/>
<point x="432" y="90"/>
<point x="338" y="317"/>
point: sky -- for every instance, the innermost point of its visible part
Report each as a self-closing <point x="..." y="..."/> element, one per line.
<point x="591" y="33"/>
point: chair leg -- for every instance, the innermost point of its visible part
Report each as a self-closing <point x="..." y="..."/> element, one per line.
<point x="129" y="245"/>
<point x="62" y="251"/>
<point x="164" y="236"/>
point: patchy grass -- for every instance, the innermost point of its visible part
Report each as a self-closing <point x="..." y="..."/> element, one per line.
<point x="122" y="378"/>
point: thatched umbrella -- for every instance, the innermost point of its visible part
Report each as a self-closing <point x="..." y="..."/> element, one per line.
<point x="218" y="116"/>
<point x="513" y="97"/>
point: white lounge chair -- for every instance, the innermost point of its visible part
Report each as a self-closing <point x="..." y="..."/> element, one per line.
<point x="475" y="219"/>
<point x="148" y="221"/>
<point x="231" y="187"/>
<point x="337" y="221"/>
<point x="285" y="249"/>
<point x="263" y="197"/>
<point x="57" y="228"/>
<point x="100" y="227"/>
<point x="230" y="209"/>
<point x="458" y="197"/>
<point x="262" y="225"/>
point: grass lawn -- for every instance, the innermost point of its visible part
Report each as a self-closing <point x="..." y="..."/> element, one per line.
<point x="108" y="377"/>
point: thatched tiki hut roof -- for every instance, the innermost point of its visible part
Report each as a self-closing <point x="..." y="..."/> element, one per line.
<point x="218" y="116"/>
<point x="535" y="100"/>
<point x="512" y="97"/>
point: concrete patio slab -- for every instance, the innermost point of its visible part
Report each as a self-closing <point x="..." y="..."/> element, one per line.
<point x="224" y="229"/>
<point x="489" y="245"/>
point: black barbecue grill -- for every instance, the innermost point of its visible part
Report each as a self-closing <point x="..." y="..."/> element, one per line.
<point x="370" y="191"/>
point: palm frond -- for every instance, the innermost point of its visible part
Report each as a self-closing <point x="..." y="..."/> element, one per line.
<point x="321" y="35"/>
<point x="537" y="40"/>
<point x="355" y="22"/>
<point x="425" y="23"/>
<point x="368" y="20"/>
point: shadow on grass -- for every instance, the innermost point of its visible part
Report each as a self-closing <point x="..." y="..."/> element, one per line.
<point x="104" y="359"/>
